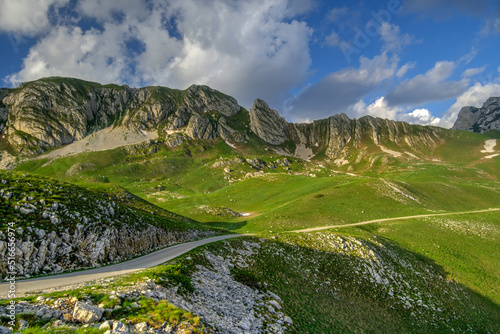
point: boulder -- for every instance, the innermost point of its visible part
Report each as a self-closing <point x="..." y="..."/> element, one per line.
<point x="86" y="313"/>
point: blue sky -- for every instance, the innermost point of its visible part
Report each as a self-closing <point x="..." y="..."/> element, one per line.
<point x="414" y="60"/>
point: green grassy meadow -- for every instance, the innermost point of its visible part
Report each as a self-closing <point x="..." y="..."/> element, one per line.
<point x="453" y="260"/>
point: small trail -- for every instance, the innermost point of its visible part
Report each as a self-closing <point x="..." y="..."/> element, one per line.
<point x="392" y="219"/>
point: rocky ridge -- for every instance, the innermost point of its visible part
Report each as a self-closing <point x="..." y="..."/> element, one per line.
<point x="54" y="112"/>
<point x="334" y="133"/>
<point x="481" y="119"/>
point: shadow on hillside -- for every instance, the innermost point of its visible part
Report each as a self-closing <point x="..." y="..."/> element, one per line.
<point x="227" y="225"/>
<point x="352" y="302"/>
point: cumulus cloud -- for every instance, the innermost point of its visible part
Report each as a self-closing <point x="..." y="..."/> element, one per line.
<point x="475" y="96"/>
<point x="431" y="86"/>
<point x="419" y="116"/>
<point x="69" y="51"/>
<point x="338" y="91"/>
<point x="246" y="49"/>
<point x="379" y="108"/>
<point x="27" y="17"/>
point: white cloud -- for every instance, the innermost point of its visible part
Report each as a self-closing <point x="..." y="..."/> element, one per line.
<point x="105" y="10"/>
<point x="405" y="68"/>
<point x="475" y="96"/>
<point x="379" y="108"/>
<point x="392" y="37"/>
<point x="419" y="116"/>
<point x="69" y="51"/>
<point x="470" y="72"/>
<point x="246" y="49"/>
<point x="339" y="91"/>
<point x="27" y="17"/>
<point x="431" y="86"/>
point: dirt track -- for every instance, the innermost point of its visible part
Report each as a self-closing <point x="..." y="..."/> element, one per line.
<point x="392" y="219"/>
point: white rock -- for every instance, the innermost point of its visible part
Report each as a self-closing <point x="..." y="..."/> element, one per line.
<point x="106" y="325"/>
<point x="275" y="304"/>
<point x="120" y="327"/>
<point x="86" y="313"/>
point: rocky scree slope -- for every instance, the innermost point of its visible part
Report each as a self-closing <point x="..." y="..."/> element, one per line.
<point x="212" y="292"/>
<point x="61" y="227"/>
<point x="52" y="112"/>
<point x="481" y="119"/>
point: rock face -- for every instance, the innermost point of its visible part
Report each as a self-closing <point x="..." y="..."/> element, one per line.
<point x="268" y="124"/>
<point x="334" y="133"/>
<point x="53" y="112"/>
<point x="480" y="119"/>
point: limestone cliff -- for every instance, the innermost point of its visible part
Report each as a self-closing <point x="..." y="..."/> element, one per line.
<point x="334" y="133"/>
<point x="54" y="112"/>
<point x="480" y="119"/>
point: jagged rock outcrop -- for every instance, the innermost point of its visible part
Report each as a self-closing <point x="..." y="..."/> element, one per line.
<point x="88" y="246"/>
<point x="334" y="133"/>
<point x="267" y="123"/>
<point x="480" y="119"/>
<point x="201" y="128"/>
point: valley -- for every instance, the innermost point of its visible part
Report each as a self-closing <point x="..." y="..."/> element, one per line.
<point x="400" y="223"/>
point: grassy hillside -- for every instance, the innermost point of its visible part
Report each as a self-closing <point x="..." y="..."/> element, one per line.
<point x="340" y="283"/>
<point x="26" y="199"/>
<point x="426" y="275"/>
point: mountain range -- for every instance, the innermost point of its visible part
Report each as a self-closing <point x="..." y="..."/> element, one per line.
<point x="52" y="112"/>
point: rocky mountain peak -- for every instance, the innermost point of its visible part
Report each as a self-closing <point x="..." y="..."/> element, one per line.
<point x="481" y="119"/>
<point x="267" y="123"/>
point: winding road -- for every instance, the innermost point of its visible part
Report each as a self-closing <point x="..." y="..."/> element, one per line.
<point x="143" y="262"/>
<point x="163" y="255"/>
<point x="313" y="229"/>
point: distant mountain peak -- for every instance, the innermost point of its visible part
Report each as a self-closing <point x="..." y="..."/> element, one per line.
<point x="481" y="119"/>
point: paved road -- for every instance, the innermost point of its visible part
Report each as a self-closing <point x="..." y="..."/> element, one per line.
<point x="391" y="219"/>
<point x="146" y="261"/>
